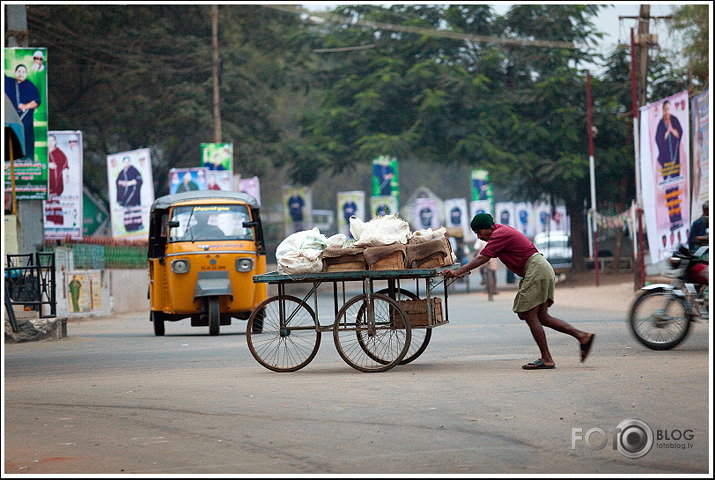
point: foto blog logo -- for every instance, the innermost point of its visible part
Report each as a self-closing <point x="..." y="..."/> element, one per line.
<point x="632" y="438"/>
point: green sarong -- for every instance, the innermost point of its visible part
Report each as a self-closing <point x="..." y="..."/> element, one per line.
<point x="537" y="286"/>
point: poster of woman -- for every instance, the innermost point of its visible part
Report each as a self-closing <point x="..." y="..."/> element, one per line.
<point x="131" y="193"/>
<point x="63" y="209"/>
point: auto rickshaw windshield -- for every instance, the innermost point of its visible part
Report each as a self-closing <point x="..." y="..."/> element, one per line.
<point x="210" y="222"/>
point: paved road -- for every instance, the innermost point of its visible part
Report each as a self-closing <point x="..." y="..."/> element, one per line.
<point x="113" y="399"/>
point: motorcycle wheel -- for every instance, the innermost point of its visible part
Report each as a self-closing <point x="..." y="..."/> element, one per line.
<point x="659" y="320"/>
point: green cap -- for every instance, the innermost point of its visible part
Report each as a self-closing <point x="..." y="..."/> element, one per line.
<point x="481" y="221"/>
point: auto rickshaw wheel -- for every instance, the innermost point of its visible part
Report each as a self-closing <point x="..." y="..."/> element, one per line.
<point x="214" y="313"/>
<point x="157" y="318"/>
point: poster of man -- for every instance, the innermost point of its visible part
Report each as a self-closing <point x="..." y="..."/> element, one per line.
<point x="350" y="204"/>
<point x="63" y="209"/>
<point x="665" y="177"/>
<point x="456" y="215"/>
<point x="385" y="178"/>
<point x="701" y="151"/>
<point x="298" y="208"/>
<point x="217" y="156"/>
<point x="381" y="206"/>
<point x="131" y="193"/>
<point x="426" y="214"/>
<point x="26" y="89"/>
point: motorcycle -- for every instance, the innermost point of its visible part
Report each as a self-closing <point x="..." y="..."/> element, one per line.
<point x="661" y="315"/>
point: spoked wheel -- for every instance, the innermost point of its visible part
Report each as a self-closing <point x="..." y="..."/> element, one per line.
<point x="420" y="336"/>
<point x="289" y="337"/>
<point x="214" y="312"/>
<point x="372" y="337"/>
<point x="157" y="318"/>
<point x="659" y="320"/>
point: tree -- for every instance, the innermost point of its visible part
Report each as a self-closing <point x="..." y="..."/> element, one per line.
<point x="692" y="22"/>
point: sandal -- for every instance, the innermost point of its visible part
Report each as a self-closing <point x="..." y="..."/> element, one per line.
<point x="537" y="364"/>
<point x="586" y="347"/>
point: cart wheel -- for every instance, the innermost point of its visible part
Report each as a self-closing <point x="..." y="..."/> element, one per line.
<point x="287" y="342"/>
<point x="367" y="347"/>
<point x="214" y="312"/>
<point x="158" y="320"/>
<point x="420" y="336"/>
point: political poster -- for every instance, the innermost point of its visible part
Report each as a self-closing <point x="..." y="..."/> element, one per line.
<point x="385" y="178"/>
<point x="85" y="292"/>
<point x="187" y="179"/>
<point x="426" y="214"/>
<point x="26" y="88"/>
<point x="665" y="178"/>
<point x="700" y="105"/>
<point x="505" y="214"/>
<point x="457" y="217"/>
<point x="251" y="186"/>
<point x="383" y="205"/>
<point x="64" y="206"/>
<point x="525" y="218"/>
<point x="298" y="209"/>
<point x="350" y="204"/>
<point x="217" y="156"/>
<point x="131" y="193"/>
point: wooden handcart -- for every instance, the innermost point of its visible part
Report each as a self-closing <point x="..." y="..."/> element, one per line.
<point x="373" y="331"/>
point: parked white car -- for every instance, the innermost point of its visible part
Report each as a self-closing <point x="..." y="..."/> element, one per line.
<point x="556" y="247"/>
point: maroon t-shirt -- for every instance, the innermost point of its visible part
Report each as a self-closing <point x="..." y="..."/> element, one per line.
<point x="511" y="247"/>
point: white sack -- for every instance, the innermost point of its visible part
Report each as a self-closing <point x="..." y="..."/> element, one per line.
<point x="385" y="230"/>
<point x="305" y="260"/>
<point x="356" y="227"/>
<point x="427" y="235"/>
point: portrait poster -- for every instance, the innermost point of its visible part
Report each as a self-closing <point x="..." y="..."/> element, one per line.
<point x="457" y="217"/>
<point x="481" y="187"/>
<point x="131" y="193"/>
<point x="525" y="218"/>
<point x="217" y="156"/>
<point x="542" y="217"/>
<point x="383" y="205"/>
<point x="700" y="106"/>
<point x="64" y="206"/>
<point x="505" y="214"/>
<point x="665" y="178"/>
<point x="219" y="180"/>
<point x="251" y="186"/>
<point x="426" y="214"/>
<point x="350" y="204"/>
<point x="297" y="208"/>
<point x="187" y="179"/>
<point x="385" y="177"/>
<point x="84" y="291"/>
<point x="26" y="88"/>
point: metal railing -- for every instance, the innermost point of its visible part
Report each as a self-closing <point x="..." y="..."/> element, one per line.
<point x="30" y="281"/>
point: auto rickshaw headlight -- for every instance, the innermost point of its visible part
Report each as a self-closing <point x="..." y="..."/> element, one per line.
<point x="244" y="265"/>
<point x="180" y="266"/>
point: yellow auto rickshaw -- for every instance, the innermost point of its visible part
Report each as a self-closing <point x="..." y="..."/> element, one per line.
<point x="204" y="249"/>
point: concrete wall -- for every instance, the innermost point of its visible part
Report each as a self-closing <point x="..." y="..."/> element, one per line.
<point x="129" y="290"/>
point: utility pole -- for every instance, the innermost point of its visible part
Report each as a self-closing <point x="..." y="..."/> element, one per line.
<point x="216" y="60"/>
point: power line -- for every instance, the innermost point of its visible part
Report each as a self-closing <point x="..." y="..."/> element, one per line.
<point x="321" y="17"/>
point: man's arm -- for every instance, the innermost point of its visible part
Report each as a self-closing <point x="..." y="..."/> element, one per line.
<point x="477" y="261"/>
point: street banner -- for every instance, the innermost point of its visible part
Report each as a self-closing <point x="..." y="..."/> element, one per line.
<point x="298" y="208"/>
<point x="350" y="204"/>
<point x="95" y="216"/>
<point x="217" y="156"/>
<point x="665" y="178"/>
<point x="131" y="193"/>
<point x="525" y="218"/>
<point x="383" y="205"/>
<point x="700" y="105"/>
<point x="63" y="209"/>
<point x="187" y="179"/>
<point x="26" y="88"/>
<point x="251" y="186"/>
<point x="385" y="179"/>
<point x="426" y="214"/>
<point x="457" y="217"/>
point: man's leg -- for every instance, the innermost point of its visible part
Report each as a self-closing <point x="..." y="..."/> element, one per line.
<point x="559" y="325"/>
<point x="531" y="317"/>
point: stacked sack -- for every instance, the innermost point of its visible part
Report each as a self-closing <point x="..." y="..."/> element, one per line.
<point x="383" y="243"/>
